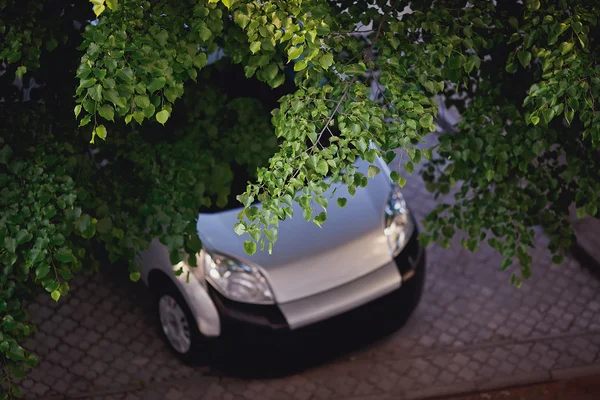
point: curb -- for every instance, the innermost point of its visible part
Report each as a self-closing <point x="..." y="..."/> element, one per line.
<point x="465" y="388"/>
<point x="439" y="391"/>
<point x="517" y="380"/>
<point x="574" y="372"/>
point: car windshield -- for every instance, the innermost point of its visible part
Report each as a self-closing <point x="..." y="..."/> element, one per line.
<point x="256" y="98"/>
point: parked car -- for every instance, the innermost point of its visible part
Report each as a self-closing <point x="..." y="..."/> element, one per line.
<point x="364" y="251"/>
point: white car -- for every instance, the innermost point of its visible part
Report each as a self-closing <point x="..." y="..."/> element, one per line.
<point x="364" y="251"/>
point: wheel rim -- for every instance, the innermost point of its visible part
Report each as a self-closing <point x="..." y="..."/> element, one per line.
<point x="174" y="324"/>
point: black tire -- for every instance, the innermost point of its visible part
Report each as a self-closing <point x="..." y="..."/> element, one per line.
<point x="166" y="289"/>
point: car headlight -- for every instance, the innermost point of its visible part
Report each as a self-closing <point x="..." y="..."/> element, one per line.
<point x="399" y="224"/>
<point x="236" y="280"/>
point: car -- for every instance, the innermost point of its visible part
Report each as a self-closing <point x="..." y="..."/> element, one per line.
<point x="364" y="251"/>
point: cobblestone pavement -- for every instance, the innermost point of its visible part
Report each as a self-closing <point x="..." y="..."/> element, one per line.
<point x="472" y="331"/>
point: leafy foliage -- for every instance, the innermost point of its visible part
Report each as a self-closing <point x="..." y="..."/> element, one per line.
<point x="166" y="142"/>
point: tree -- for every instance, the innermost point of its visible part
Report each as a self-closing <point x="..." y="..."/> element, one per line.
<point x="524" y="76"/>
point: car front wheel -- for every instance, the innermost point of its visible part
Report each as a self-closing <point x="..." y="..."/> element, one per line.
<point x="177" y="324"/>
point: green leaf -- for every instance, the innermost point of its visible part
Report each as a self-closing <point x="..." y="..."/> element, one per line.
<point x="65" y="273"/>
<point x="65" y="255"/>
<point x="574" y="103"/>
<point x="83" y="71"/>
<point x="569" y="115"/>
<point x="113" y="96"/>
<point x="204" y="32"/>
<point x="307" y="213"/>
<point x="16" y="352"/>
<point x="159" y="83"/>
<point x="514" y="37"/>
<point x="126" y="75"/>
<point x="533" y="5"/>
<point x="226" y="3"/>
<point x="200" y="60"/>
<point x="401" y="181"/>
<point x="142" y="101"/>
<point x="370" y="155"/>
<point x="300" y="65"/>
<point x="548" y="114"/>
<point x="254" y="47"/>
<point x="326" y="60"/>
<point x="9" y="324"/>
<point x="24" y="236"/>
<point x="524" y="57"/>
<point x="320" y="219"/>
<point x="5" y="154"/>
<point x="194" y="243"/>
<point x="270" y="71"/>
<point x="409" y="167"/>
<point x="535" y="119"/>
<point x="50" y="285"/>
<point x="104" y="225"/>
<point x="431" y="87"/>
<point x="472" y="62"/>
<point x="135" y="276"/>
<point x="322" y="167"/>
<point x="249" y="247"/>
<point x="342" y="201"/>
<point x="565" y="47"/>
<point x="294" y="52"/>
<point x="271" y="234"/>
<point x="41" y="271"/>
<point x="241" y="19"/>
<point x="100" y="131"/>
<point x="107" y="112"/>
<point x="426" y="120"/>
<point x="162" y="116"/>
<point x="455" y="62"/>
<point x="55" y="295"/>
<point x="98" y="9"/>
<point x="239" y="228"/>
<point x="51" y="44"/>
<point x="20" y="71"/>
<point x="84" y="121"/>
<point x="95" y="92"/>
<point x="372" y="171"/>
<point x="77" y="110"/>
<point x="322" y="201"/>
<point x="64" y="289"/>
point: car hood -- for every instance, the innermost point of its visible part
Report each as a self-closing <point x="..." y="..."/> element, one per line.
<point x="306" y="259"/>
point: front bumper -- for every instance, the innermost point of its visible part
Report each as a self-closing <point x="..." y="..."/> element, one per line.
<point x="239" y="317"/>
